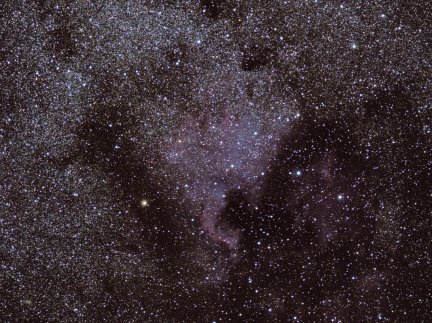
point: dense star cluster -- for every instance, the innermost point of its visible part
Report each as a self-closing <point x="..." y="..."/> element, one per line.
<point x="216" y="161"/>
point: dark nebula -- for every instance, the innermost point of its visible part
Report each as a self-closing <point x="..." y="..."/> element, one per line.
<point x="215" y="161"/>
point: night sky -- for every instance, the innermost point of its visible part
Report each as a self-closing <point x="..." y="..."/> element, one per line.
<point x="216" y="161"/>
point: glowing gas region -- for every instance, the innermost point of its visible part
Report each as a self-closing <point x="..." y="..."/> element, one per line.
<point x="215" y="155"/>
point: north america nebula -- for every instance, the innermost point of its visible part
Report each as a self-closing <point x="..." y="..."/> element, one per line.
<point x="215" y="161"/>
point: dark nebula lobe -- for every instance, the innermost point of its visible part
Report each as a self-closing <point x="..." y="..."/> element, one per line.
<point x="214" y="161"/>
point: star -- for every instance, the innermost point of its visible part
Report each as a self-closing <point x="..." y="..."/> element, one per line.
<point x="144" y="203"/>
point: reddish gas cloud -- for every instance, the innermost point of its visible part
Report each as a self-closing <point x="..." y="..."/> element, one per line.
<point x="214" y="155"/>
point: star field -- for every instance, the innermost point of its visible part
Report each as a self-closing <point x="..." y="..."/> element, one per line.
<point x="215" y="161"/>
